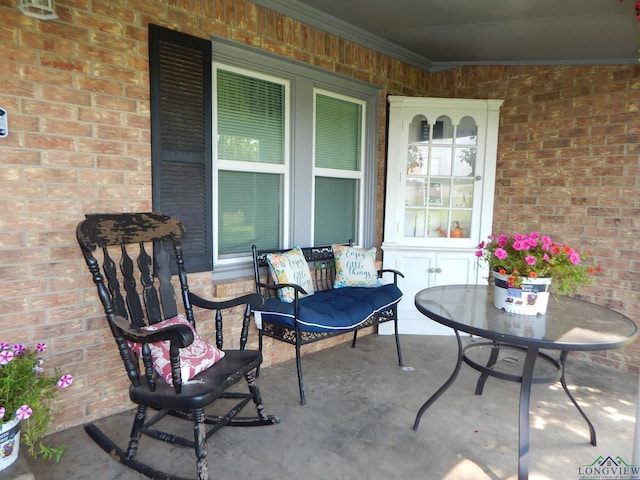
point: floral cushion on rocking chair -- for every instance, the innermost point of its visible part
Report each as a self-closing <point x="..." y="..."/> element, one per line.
<point x="194" y="359"/>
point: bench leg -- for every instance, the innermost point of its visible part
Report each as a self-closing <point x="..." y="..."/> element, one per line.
<point x="355" y="337"/>
<point x="303" y="400"/>
<point x="395" y="326"/>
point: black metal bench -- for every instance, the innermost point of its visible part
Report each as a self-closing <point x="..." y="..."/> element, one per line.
<point x="289" y="322"/>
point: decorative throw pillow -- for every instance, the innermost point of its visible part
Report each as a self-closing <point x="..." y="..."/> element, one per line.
<point x="355" y="267"/>
<point x="194" y="359"/>
<point x="290" y="267"/>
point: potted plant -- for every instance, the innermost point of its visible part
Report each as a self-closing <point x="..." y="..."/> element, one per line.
<point x="519" y="260"/>
<point x="27" y="393"/>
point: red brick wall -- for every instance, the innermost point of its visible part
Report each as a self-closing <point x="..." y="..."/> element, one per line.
<point x="76" y="90"/>
<point x="569" y="166"/>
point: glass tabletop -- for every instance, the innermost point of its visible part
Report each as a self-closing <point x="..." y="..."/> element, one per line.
<point x="569" y="324"/>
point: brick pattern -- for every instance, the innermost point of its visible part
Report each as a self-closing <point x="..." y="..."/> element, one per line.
<point x="569" y="166"/>
<point x="76" y="90"/>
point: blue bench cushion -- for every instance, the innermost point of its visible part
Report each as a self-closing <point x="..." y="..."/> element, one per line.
<point x="332" y="310"/>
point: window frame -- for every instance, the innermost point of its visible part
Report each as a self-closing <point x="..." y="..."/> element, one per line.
<point x="283" y="169"/>
<point x="298" y="205"/>
<point x="357" y="175"/>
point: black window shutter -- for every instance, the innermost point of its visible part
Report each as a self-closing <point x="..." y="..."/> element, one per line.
<point x="181" y="106"/>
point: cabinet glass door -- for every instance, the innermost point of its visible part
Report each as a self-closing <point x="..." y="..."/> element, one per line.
<point x="440" y="172"/>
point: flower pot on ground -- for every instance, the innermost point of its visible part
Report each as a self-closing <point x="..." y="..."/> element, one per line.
<point x="9" y="443"/>
<point x="27" y="394"/>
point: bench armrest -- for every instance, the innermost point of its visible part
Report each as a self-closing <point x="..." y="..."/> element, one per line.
<point x="396" y="274"/>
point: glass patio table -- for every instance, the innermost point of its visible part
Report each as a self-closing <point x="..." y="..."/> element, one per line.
<point x="569" y="325"/>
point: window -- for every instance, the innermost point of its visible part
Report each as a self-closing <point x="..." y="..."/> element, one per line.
<point x="251" y="125"/>
<point x="338" y="168"/>
<point x="291" y="151"/>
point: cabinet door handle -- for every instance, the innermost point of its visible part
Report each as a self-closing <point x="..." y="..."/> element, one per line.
<point x="435" y="270"/>
<point x="438" y="270"/>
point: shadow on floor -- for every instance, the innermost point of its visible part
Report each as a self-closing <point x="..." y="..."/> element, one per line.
<point x="359" y="416"/>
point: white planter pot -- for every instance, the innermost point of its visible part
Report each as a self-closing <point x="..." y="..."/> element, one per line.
<point x="9" y="443"/>
<point x="531" y="299"/>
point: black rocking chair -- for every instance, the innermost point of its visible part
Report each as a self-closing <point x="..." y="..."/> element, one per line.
<point x="134" y="312"/>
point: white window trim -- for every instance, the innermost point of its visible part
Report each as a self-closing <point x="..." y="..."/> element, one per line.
<point x="339" y="173"/>
<point x="283" y="169"/>
<point x="301" y="75"/>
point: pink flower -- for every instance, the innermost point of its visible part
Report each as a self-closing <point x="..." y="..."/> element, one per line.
<point x="501" y="253"/>
<point x="41" y="347"/>
<point x="4" y="345"/>
<point x="2" y="412"/>
<point x="530" y="259"/>
<point x="478" y="253"/>
<point x="65" y="380"/>
<point x="19" y="349"/>
<point x="520" y="245"/>
<point x="574" y="257"/>
<point x="24" y="412"/>
<point x="5" y="357"/>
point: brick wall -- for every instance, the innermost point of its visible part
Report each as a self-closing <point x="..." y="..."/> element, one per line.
<point x="569" y="166"/>
<point x="76" y="90"/>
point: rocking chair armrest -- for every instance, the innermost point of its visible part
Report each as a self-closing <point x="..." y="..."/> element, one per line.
<point x="253" y="299"/>
<point x="180" y="336"/>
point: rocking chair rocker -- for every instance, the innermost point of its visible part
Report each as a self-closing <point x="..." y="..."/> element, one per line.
<point x="146" y="325"/>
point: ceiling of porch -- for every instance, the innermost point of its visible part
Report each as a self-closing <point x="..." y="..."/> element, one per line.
<point x="440" y="34"/>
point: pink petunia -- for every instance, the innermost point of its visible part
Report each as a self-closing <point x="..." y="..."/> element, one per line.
<point x="574" y="257"/>
<point x="65" y="380"/>
<point x="41" y="347"/>
<point x="19" y="349"/>
<point x="24" y="412"/>
<point x="5" y="357"/>
<point x="500" y="253"/>
<point x="4" y="345"/>
<point x="520" y="245"/>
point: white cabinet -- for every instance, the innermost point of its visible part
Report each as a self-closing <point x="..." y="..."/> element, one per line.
<point x="441" y="161"/>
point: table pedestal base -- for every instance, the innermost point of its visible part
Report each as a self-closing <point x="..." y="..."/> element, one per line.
<point x="526" y="380"/>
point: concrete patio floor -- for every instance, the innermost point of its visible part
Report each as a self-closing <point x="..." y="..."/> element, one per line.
<point x="358" y="420"/>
